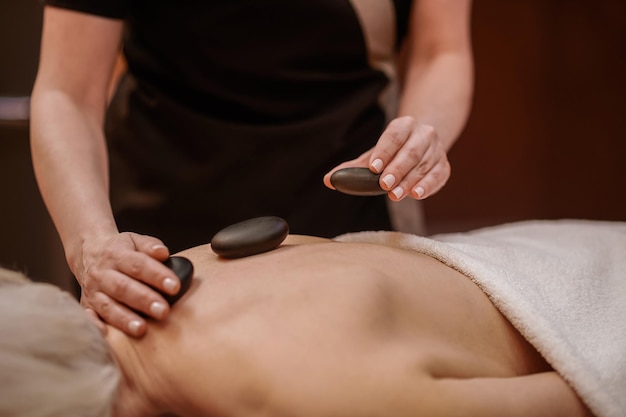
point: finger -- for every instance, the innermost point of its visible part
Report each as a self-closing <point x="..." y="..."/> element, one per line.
<point x="134" y="294"/>
<point x="149" y="271"/>
<point x="433" y="181"/>
<point x="415" y="172"/>
<point x="391" y="141"/>
<point x="118" y="315"/>
<point x="412" y="184"/>
<point x="417" y="157"/>
<point x="150" y="245"/>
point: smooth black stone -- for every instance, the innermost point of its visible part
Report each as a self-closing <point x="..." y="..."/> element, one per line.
<point x="356" y="181"/>
<point x="183" y="268"/>
<point x="250" y="237"/>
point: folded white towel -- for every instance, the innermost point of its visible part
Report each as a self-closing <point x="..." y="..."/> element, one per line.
<point x="561" y="283"/>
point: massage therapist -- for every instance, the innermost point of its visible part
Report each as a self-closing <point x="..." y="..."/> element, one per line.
<point x="230" y="110"/>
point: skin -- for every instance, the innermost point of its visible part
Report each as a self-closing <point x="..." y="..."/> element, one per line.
<point x="77" y="63"/>
<point x="411" y="154"/>
<point x="318" y="328"/>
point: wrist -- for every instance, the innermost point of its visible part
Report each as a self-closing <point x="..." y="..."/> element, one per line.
<point x="84" y="243"/>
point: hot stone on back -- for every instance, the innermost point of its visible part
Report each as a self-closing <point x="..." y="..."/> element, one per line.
<point x="250" y="237"/>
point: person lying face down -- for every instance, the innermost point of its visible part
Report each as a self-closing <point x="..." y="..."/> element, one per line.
<point x="314" y="328"/>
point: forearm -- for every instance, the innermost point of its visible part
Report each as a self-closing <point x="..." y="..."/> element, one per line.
<point x="68" y="103"/>
<point x="78" y="53"/>
<point x="70" y="163"/>
<point x="438" y="92"/>
<point x="539" y="395"/>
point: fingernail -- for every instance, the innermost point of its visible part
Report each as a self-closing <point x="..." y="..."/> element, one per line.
<point x="419" y="191"/>
<point x="389" y="180"/>
<point x="377" y="164"/>
<point x="133" y="326"/>
<point x="398" y="191"/>
<point x="157" y="247"/>
<point x="170" y="284"/>
<point x="157" y="309"/>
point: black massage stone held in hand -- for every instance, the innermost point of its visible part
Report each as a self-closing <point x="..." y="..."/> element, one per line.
<point x="250" y="237"/>
<point x="357" y="181"/>
<point x="183" y="268"/>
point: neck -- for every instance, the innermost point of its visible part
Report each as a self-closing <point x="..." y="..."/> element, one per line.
<point x="136" y="389"/>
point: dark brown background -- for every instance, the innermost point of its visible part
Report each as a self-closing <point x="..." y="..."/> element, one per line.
<point x="546" y="137"/>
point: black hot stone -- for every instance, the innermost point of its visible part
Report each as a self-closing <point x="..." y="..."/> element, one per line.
<point x="356" y="181"/>
<point x="183" y="268"/>
<point x="250" y="237"/>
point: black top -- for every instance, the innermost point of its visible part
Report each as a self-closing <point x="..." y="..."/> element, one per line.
<point x="236" y="109"/>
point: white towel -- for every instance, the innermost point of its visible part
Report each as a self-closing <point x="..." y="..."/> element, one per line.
<point x="561" y="283"/>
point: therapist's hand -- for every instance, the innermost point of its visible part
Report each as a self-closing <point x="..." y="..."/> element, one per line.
<point x="410" y="157"/>
<point x="113" y="272"/>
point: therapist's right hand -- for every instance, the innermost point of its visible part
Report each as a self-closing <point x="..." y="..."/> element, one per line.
<point x="115" y="273"/>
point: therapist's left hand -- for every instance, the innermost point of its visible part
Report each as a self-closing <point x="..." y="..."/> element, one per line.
<point x="410" y="157"/>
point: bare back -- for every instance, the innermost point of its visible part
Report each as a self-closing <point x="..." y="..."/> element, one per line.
<point x="326" y="329"/>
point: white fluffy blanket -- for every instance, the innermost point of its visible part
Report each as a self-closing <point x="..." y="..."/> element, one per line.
<point x="561" y="283"/>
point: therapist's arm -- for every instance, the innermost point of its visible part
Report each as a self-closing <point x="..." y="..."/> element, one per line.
<point x="437" y="88"/>
<point x="435" y="102"/>
<point x="78" y="53"/>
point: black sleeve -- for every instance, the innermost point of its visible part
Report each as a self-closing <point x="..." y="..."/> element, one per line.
<point x="115" y="9"/>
